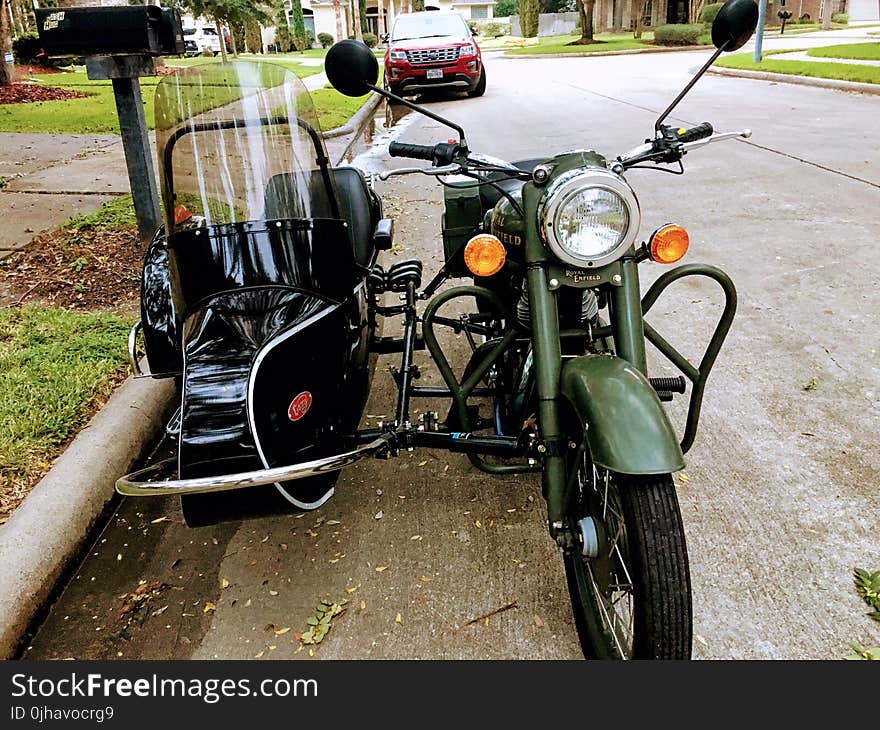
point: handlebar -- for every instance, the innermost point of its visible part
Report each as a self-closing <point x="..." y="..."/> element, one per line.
<point x="442" y="153"/>
<point x="693" y="134"/>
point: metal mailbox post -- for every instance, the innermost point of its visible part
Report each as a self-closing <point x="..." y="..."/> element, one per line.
<point x="120" y="44"/>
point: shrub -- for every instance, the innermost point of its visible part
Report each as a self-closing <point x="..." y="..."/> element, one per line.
<point x="26" y="47"/>
<point x="840" y="18"/>
<point x="370" y="39"/>
<point x="325" y="39"/>
<point x="283" y="39"/>
<point x="493" y="30"/>
<point x="310" y="37"/>
<point x="709" y="12"/>
<point x="678" y="35"/>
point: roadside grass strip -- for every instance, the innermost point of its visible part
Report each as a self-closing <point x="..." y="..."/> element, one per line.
<point x="816" y="69"/>
<point x="605" y="42"/>
<point x="851" y="51"/>
<point x="57" y="368"/>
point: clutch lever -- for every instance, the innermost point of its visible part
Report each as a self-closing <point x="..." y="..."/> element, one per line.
<point x="720" y="137"/>
<point x="445" y="170"/>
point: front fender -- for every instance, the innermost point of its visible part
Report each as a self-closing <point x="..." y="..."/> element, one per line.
<point x="627" y="428"/>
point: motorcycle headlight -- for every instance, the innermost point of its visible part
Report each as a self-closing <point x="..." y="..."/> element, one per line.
<point x="590" y="217"/>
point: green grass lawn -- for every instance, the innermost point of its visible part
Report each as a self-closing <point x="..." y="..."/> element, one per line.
<point x="56" y="367"/>
<point x="96" y="114"/>
<point x="334" y="109"/>
<point x="817" y="69"/>
<point x="855" y="51"/>
<point x="560" y="44"/>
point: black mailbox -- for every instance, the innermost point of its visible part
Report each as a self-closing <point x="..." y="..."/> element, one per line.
<point x="144" y="30"/>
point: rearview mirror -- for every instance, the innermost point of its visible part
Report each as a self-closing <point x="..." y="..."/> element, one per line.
<point x="352" y="68"/>
<point x="734" y="24"/>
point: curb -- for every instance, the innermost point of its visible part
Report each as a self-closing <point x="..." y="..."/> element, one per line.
<point x="356" y="123"/>
<point x="47" y="531"/>
<point x="627" y="52"/>
<point x="797" y="80"/>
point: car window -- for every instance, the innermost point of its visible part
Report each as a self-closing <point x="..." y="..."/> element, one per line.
<point x="428" y="26"/>
<point x="209" y="31"/>
<point x="189" y="31"/>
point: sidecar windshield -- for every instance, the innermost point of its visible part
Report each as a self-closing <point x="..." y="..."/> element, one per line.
<point x="239" y="142"/>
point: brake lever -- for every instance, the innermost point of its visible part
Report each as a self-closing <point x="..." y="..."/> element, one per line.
<point x="437" y="171"/>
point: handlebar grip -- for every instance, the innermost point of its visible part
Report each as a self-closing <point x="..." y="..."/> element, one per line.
<point x="701" y="131"/>
<point x="415" y="151"/>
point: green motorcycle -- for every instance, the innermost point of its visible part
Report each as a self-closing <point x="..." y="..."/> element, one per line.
<point x="558" y="380"/>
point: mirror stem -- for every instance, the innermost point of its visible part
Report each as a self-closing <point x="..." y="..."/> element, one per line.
<point x="416" y="108"/>
<point x="687" y="88"/>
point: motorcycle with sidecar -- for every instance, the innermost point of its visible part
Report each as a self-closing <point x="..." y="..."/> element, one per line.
<point x="264" y="294"/>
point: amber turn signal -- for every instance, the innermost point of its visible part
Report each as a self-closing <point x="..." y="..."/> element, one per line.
<point x="669" y="244"/>
<point x="181" y="214"/>
<point x="484" y="255"/>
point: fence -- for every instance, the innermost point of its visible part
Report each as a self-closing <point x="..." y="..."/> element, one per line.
<point x="549" y="24"/>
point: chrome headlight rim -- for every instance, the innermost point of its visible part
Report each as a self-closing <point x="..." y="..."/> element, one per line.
<point x="560" y="192"/>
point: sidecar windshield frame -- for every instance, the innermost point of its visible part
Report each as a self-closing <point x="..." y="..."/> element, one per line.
<point x="240" y="142"/>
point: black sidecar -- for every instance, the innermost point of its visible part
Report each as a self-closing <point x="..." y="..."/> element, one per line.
<point x="254" y="292"/>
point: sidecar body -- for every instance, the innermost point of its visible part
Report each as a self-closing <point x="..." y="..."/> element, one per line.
<point x="254" y="292"/>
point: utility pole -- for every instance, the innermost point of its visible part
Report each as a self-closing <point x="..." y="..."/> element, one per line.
<point x="759" y="33"/>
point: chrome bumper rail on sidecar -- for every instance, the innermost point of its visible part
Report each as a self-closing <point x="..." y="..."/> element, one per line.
<point x="139" y="483"/>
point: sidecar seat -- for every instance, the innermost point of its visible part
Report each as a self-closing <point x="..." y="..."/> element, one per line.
<point x="359" y="206"/>
<point x="490" y="195"/>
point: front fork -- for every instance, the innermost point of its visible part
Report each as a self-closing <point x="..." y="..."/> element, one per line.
<point x="629" y="341"/>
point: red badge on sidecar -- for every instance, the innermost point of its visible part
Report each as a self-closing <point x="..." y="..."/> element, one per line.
<point x="299" y="406"/>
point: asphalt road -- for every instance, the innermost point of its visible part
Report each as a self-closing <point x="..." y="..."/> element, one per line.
<point x="780" y="495"/>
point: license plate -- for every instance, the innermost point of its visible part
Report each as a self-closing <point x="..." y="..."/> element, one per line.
<point x="435" y="73"/>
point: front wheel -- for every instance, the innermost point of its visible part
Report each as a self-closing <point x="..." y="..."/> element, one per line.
<point x="480" y="88"/>
<point x="633" y="599"/>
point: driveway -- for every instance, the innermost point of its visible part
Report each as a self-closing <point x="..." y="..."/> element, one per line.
<point x="779" y="499"/>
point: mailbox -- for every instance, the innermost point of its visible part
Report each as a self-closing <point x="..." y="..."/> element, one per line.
<point x="143" y="30"/>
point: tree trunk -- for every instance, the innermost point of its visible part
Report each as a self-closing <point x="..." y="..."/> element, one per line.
<point x="638" y="17"/>
<point x="826" y="17"/>
<point x="232" y="41"/>
<point x="585" y="9"/>
<point x="222" y="40"/>
<point x="356" y="15"/>
<point x="7" y="70"/>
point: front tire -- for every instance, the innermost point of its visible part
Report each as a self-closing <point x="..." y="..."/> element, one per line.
<point x="480" y="88"/>
<point x="633" y="600"/>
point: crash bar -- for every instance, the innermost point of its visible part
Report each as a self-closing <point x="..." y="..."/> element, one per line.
<point x="138" y="484"/>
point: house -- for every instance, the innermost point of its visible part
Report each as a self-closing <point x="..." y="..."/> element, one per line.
<point x="334" y="16"/>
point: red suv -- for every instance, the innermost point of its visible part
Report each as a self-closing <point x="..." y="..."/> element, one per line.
<point x="433" y="50"/>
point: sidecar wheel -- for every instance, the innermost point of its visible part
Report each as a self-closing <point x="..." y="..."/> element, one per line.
<point x="633" y="600"/>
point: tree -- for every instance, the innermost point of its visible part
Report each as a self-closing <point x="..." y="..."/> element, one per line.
<point x="355" y="13"/>
<point x="585" y="9"/>
<point x="299" y="25"/>
<point x="506" y="8"/>
<point x="528" y="17"/>
<point x="340" y="24"/>
<point x="7" y="69"/>
<point x="418" y="5"/>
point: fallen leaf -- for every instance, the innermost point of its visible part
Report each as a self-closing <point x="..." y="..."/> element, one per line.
<point x="380" y="568"/>
<point x="119" y="556"/>
<point x="398" y="619"/>
<point x="333" y="522"/>
<point x="281" y="632"/>
<point x="311" y="652"/>
<point x="380" y="514"/>
<point x="539" y="622"/>
<point x="160" y="519"/>
<point x="701" y="640"/>
<point x="812" y="384"/>
<point x="416" y="537"/>
<point x="352" y="589"/>
<point x="224" y="583"/>
<point x="478" y="523"/>
<point x="422" y="463"/>
<point x="273" y="593"/>
<point x="426" y="579"/>
<point x="209" y="608"/>
<point x="683" y="478"/>
<point x="259" y="655"/>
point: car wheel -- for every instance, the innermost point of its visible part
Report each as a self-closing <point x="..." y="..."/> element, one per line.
<point x="480" y="88"/>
